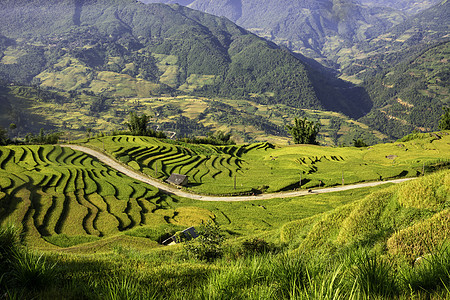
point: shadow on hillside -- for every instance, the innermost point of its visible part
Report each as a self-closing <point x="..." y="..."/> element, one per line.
<point x="294" y="185"/>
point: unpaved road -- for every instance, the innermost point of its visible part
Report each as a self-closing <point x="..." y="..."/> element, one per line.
<point x="172" y="190"/>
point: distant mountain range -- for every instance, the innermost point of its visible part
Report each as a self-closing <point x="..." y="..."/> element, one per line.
<point x="126" y="48"/>
<point x="329" y="31"/>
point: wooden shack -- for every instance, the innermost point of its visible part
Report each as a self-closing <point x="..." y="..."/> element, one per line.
<point x="178" y="179"/>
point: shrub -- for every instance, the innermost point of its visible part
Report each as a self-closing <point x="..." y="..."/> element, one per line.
<point x="429" y="273"/>
<point x="208" y="245"/>
<point x="256" y="246"/>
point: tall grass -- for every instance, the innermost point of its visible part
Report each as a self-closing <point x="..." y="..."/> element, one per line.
<point x="32" y="271"/>
<point x="371" y="275"/>
<point x="430" y="272"/>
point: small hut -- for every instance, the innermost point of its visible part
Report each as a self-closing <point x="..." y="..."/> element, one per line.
<point x="178" y="179"/>
<point x="185" y="235"/>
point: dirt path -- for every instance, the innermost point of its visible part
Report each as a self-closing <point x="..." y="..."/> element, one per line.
<point x="172" y="190"/>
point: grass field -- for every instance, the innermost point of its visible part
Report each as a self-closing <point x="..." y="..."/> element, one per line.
<point x="264" y="167"/>
<point x="320" y="247"/>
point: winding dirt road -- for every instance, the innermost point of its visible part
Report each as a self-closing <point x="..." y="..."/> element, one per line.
<point x="174" y="191"/>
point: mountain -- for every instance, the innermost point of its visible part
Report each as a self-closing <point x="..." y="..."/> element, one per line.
<point x="405" y="72"/>
<point x="321" y="29"/>
<point x="410" y="7"/>
<point x="410" y="95"/>
<point x="126" y="48"/>
<point x="407" y="39"/>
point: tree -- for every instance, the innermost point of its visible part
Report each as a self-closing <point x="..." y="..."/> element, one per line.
<point x="444" y="123"/>
<point x="304" y="131"/>
<point x="3" y="137"/>
<point x="359" y="143"/>
<point x="138" y="124"/>
<point x="208" y="245"/>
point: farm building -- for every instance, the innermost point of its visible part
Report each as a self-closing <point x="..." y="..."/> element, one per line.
<point x="178" y="179"/>
<point x="185" y="235"/>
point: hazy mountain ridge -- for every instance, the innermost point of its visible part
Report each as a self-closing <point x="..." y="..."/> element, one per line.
<point x="411" y="7"/>
<point x="318" y="29"/>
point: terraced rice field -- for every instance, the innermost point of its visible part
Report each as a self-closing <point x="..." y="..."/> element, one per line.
<point x="59" y="196"/>
<point x="266" y="167"/>
<point x="211" y="169"/>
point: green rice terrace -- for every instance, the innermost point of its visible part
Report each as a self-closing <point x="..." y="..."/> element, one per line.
<point x="264" y="167"/>
<point x="90" y="220"/>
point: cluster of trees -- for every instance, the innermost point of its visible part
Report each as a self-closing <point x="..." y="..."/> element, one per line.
<point x="43" y="138"/>
<point x="219" y="138"/>
<point x="304" y="131"/>
<point x="138" y="125"/>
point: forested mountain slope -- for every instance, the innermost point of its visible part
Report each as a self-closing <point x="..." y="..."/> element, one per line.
<point x="321" y="29"/>
<point x="125" y="48"/>
<point x="411" y="94"/>
<point x="406" y="40"/>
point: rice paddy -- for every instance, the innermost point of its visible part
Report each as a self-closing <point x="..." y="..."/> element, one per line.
<point x="56" y="193"/>
<point x="264" y="167"/>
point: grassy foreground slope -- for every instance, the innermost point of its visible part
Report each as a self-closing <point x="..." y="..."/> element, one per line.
<point x="403" y="221"/>
<point x="265" y="167"/>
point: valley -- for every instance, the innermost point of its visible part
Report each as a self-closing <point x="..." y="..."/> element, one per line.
<point x="306" y="144"/>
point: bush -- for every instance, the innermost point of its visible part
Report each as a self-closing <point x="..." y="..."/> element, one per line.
<point x="32" y="271"/>
<point x="256" y="246"/>
<point x="430" y="272"/>
<point x="208" y="245"/>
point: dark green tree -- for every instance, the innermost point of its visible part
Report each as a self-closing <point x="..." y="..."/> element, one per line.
<point x="359" y="143"/>
<point x="138" y="124"/>
<point x="444" y="123"/>
<point x="304" y="131"/>
<point x="3" y="137"/>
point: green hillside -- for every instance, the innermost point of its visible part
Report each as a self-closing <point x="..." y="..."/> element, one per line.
<point x="411" y="94"/>
<point x="406" y="40"/>
<point x="324" y="30"/>
<point x="405" y="221"/>
<point x="33" y="108"/>
<point x="129" y="49"/>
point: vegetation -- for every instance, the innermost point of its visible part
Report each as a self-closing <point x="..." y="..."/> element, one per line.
<point x="358" y="250"/>
<point x="138" y="125"/>
<point x="407" y="96"/>
<point x="186" y="116"/>
<point x="129" y="54"/>
<point x="266" y="167"/>
<point x="444" y="123"/>
<point x="43" y="138"/>
<point x="304" y="131"/>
